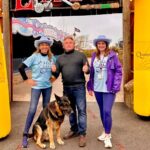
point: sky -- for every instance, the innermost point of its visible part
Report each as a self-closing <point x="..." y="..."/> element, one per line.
<point x="109" y="25"/>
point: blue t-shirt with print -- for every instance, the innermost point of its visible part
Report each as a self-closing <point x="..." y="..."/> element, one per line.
<point x="100" y="75"/>
<point x="41" y="69"/>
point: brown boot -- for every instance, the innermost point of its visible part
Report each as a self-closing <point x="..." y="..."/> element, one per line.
<point x="82" y="141"/>
<point x="70" y="135"/>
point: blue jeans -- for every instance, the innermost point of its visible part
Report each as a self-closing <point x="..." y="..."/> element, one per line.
<point x="35" y="95"/>
<point x="77" y="97"/>
<point x="105" y="102"/>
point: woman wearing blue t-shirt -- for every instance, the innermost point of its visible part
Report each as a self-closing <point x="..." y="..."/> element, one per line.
<point x="41" y="64"/>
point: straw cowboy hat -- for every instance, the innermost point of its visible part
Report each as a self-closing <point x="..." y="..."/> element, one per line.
<point x="101" y="38"/>
<point x="43" y="40"/>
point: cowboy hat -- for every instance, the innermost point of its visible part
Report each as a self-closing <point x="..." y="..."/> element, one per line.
<point x="101" y="38"/>
<point x="43" y="39"/>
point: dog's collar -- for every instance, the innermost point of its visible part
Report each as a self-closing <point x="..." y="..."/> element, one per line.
<point x="53" y="115"/>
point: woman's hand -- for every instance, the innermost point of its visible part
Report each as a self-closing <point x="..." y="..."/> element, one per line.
<point x="90" y="93"/>
<point x="31" y="82"/>
<point x="53" y="68"/>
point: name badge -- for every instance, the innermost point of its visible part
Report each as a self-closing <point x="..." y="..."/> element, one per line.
<point x="100" y="76"/>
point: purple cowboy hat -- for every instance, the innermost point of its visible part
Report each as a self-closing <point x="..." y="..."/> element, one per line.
<point x="101" y="38"/>
<point x="43" y="39"/>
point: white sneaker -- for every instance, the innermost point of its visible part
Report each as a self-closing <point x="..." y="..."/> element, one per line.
<point x="103" y="136"/>
<point x="107" y="142"/>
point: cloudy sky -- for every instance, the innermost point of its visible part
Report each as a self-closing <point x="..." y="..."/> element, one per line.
<point x="109" y="25"/>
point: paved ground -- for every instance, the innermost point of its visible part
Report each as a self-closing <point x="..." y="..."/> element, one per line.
<point x="128" y="132"/>
<point x="22" y="92"/>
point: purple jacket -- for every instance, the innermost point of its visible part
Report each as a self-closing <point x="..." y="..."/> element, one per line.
<point x="114" y="73"/>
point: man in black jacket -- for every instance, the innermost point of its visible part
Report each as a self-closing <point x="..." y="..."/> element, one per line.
<point x="72" y="65"/>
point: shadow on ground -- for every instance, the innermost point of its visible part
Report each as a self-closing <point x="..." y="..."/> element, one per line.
<point x="129" y="132"/>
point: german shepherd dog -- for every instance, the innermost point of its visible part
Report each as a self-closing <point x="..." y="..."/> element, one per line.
<point x="50" y="119"/>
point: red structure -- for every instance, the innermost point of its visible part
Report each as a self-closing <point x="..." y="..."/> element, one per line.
<point x="27" y="6"/>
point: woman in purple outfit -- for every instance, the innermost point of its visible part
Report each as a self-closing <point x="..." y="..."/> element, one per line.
<point x="104" y="82"/>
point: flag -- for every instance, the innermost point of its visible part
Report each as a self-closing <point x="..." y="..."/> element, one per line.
<point x="76" y="30"/>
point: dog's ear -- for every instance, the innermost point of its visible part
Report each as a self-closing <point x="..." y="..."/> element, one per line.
<point x="58" y="98"/>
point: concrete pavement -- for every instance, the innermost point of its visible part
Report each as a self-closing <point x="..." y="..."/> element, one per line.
<point x="22" y="92"/>
<point x="128" y="132"/>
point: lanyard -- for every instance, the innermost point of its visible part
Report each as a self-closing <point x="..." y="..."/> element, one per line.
<point x="101" y="65"/>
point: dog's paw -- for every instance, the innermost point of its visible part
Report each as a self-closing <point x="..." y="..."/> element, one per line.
<point x="42" y="145"/>
<point x="52" y="146"/>
<point x="60" y="141"/>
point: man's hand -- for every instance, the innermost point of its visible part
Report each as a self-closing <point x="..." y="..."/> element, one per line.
<point x="85" y="68"/>
<point x="53" y="68"/>
<point x="31" y="82"/>
<point x="90" y="93"/>
<point x="52" y="79"/>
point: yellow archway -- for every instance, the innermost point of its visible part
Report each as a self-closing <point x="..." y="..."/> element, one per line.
<point x="5" y="125"/>
<point x="142" y="58"/>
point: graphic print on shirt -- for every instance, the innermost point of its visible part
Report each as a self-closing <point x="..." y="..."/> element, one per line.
<point x="41" y="69"/>
<point x="100" y="74"/>
<point x="45" y="66"/>
<point x="100" y="67"/>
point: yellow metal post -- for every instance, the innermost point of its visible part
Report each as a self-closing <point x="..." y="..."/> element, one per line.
<point x="142" y="58"/>
<point x="5" y="123"/>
